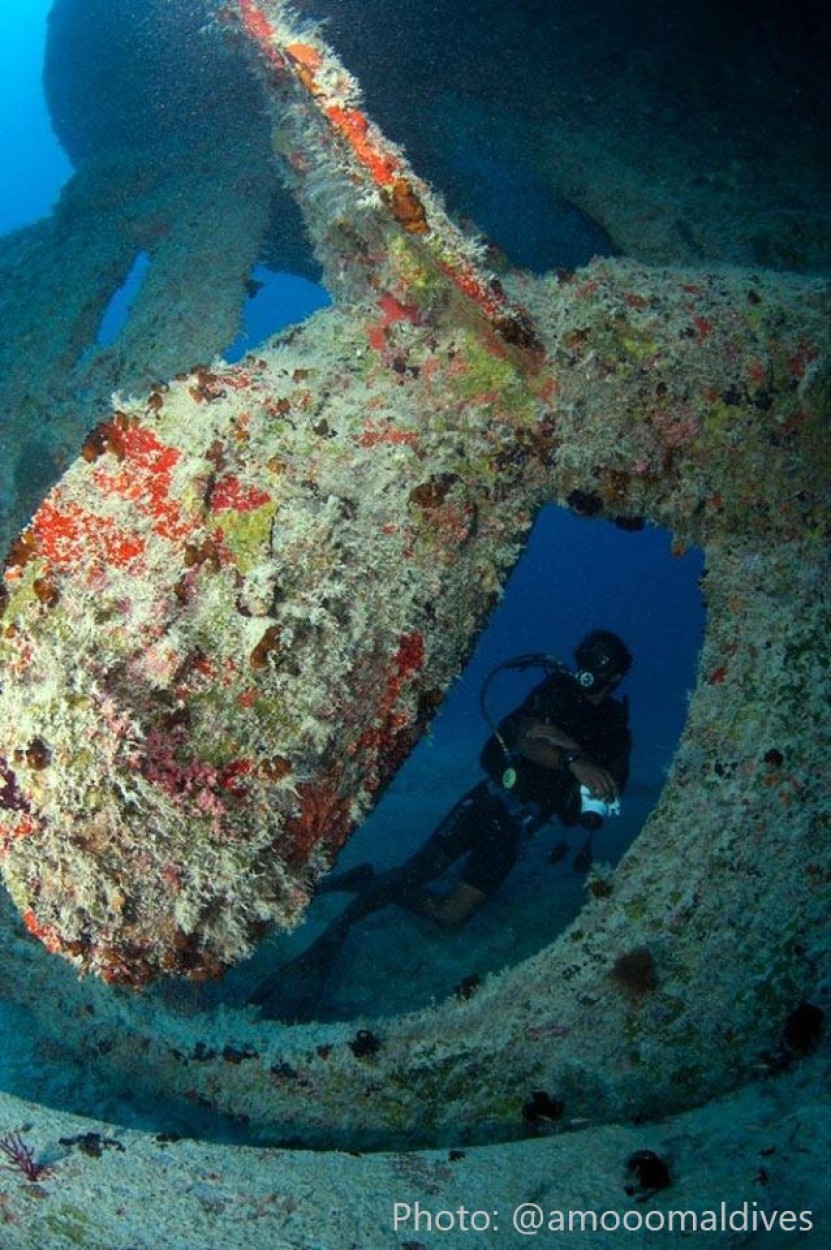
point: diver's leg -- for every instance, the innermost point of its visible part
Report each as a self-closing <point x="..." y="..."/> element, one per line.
<point x="292" y="992"/>
<point x="492" y="837"/>
<point x="493" y="855"/>
<point x="450" y="912"/>
<point x="403" y="886"/>
<point x="396" y="885"/>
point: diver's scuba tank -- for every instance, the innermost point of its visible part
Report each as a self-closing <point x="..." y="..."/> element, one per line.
<point x="592" y="811"/>
<point x="535" y="659"/>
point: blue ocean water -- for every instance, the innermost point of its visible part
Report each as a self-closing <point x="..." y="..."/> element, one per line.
<point x="34" y="166"/>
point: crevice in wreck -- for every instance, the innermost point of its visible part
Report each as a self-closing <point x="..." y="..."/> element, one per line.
<point x="117" y="312"/>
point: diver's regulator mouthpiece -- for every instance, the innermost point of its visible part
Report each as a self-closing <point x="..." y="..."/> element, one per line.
<point x="600" y="656"/>
<point x="597" y="672"/>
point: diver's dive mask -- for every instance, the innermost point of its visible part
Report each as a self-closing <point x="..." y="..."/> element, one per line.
<point x="600" y="657"/>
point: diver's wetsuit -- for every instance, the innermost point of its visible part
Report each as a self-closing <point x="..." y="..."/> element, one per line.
<point x="488" y="824"/>
<point x="479" y="826"/>
<point x="601" y="731"/>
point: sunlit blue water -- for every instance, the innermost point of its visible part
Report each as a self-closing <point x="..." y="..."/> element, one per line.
<point x="278" y="300"/>
<point x="33" y="167"/>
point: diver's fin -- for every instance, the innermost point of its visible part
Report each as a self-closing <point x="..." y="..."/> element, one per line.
<point x="292" y="992"/>
<point x="584" y="858"/>
<point x="351" y="881"/>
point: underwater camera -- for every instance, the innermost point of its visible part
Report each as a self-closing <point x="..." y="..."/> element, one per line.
<point x="594" y="811"/>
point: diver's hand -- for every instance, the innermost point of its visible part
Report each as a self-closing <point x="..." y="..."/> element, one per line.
<point x="599" y="781"/>
<point x="541" y="731"/>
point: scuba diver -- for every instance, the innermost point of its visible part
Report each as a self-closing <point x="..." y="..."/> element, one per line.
<point x="564" y="752"/>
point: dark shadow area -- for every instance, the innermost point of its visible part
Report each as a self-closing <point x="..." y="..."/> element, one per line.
<point x="42" y="1070"/>
<point x="140" y="75"/>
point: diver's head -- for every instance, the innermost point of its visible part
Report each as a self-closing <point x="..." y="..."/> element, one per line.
<point x="602" y="660"/>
